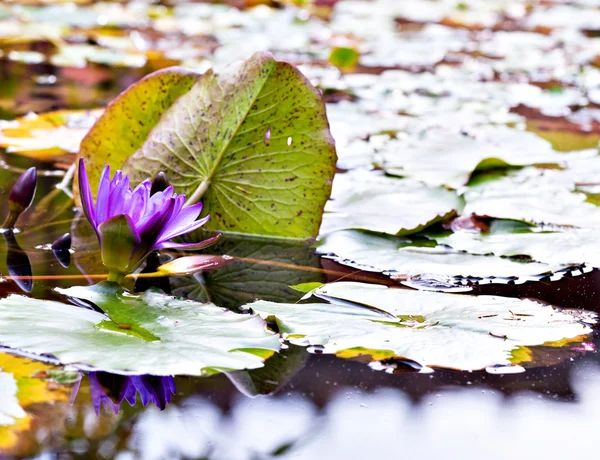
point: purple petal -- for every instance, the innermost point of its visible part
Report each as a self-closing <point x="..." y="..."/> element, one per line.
<point x="103" y="196"/>
<point x="87" y="202"/>
<point x="187" y="229"/>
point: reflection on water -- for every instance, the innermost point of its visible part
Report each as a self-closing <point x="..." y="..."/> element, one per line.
<point x="17" y="262"/>
<point x="453" y="422"/>
<point x="110" y="390"/>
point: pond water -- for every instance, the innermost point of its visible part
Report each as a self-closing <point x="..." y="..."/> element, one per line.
<point x="302" y="404"/>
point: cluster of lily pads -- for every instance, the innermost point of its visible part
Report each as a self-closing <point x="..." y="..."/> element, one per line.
<point x="441" y="182"/>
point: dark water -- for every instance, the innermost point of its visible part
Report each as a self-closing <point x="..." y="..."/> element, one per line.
<point x="319" y="406"/>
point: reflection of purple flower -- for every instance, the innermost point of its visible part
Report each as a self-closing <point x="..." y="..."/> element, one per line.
<point x="130" y="224"/>
<point x="151" y="389"/>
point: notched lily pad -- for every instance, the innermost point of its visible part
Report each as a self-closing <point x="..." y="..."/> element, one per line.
<point x="431" y="329"/>
<point x="252" y="143"/>
<point x="186" y="337"/>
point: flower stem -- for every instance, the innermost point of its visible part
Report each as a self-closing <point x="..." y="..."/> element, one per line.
<point x="198" y="193"/>
<point x="115" y="276"/>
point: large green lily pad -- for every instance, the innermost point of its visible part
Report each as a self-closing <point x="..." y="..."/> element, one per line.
<point x="371" y="201"/>
<point x="252" y="143"/>
<point x="190" y="337"/>
<point x="433" y="329"/>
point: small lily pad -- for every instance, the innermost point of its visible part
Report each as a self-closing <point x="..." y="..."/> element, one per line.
<point x="193" y="338"/>
<point x="432" y="329"/>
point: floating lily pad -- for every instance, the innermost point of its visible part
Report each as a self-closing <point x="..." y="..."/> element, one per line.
<point x="432" y="329"/>
<point x="49" y="134"/>
<point x="570" y="247"/>
<point x="394" y="256"/>
<point x="449" y="156"/>
<point x="532" y="196"/>
<point x="252" y="143"/>
<point x="157" y="334"/>
<point x="371" y="201"/>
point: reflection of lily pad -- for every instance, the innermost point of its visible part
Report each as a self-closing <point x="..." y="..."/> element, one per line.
<point x="432" y="329"/>
<point x="370" y="201"/>
<point x="194" y="338"/>
<point x="261" y="268"/>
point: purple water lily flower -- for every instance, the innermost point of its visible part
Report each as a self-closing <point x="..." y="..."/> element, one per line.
<point x="157" y="390"/>
<point x="131" y="223"/>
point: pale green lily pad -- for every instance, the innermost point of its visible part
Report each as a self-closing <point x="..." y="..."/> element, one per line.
<point x="194" y="338"/>
<point x="577" y="246"/>
<point x="532" y="195"/>
<point x="448" y="156"/>
<point x="371" y="201"/>
<point x="252" y="143"/>
<point x="396" y="257"/>
<point x="431" y="329"/>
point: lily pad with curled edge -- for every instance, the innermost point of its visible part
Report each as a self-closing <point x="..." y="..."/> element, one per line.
<point x="448" y="157"/>
<point x="398" y="258"/>
<point x="252" y="143"/>
<point x="371" y="201"/>
<point x="160" y="335"/>
<point x="431" y="329"/>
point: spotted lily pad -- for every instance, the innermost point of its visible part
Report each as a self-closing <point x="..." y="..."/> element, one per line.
<point x="432" y="329"/>
<point x="252" y="143"/>
<point x="161" y="335"/>
<point x="371" y="201"/>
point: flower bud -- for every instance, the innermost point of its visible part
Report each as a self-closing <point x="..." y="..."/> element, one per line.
<point x="159" y="183"/>
<point x="21" y="196"/>
<point x="18" y="263"/>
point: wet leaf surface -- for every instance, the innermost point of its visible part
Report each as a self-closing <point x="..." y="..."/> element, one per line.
<point x="431" y="329"/>
<point x="187" y="337"/>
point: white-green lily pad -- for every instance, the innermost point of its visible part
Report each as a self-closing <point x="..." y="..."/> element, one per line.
<point x="156" y="334"/>
<point x="535" y="196"/>
<point x="578" y="246"/>
<point x="393" y="256"/>
<point x="371" y="201"/>
<point x="448" y="156"/>
<point x="432" y="329"/>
